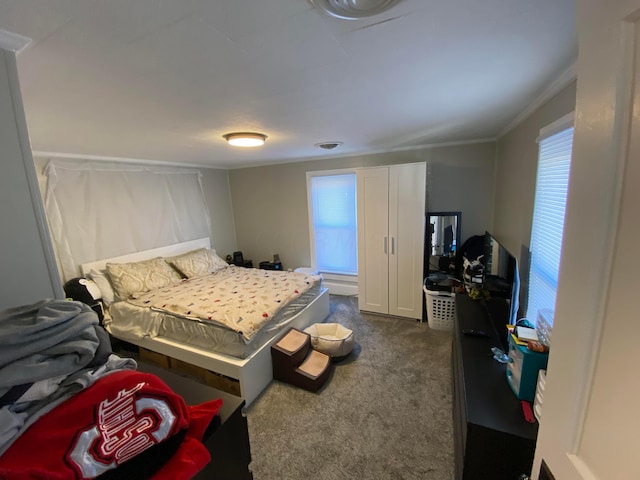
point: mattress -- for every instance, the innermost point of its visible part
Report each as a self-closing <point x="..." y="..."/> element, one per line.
<point x="148" y="316"/>
<point x="222" y="340"/>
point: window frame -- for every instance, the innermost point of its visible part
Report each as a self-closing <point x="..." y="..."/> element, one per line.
<point x="561" y="125"/>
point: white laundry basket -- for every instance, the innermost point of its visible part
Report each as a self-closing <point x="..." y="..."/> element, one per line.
<point x="441" y="309"/>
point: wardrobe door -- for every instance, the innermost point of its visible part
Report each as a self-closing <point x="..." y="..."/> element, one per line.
<point x="407" y="190"/>
<point x="373" y="240"/>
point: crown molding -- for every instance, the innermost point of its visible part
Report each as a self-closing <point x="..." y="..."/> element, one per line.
<point x="101" y="158"/>
<point x="269" y="163"/>
<point x="564" y="79"/>
<point x="12" y="41"/>
<point x="266" y="163"/>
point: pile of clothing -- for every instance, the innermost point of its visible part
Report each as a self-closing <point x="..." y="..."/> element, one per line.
<point x="71" y="408"/>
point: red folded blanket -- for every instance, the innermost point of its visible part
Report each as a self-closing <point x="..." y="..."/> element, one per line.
<point x="108" y="424"/>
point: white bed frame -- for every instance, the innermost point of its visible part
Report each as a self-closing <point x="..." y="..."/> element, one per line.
<point x="253" y="373"/>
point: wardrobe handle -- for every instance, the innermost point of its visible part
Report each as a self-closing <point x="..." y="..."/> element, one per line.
<point x="393" y="245"/>
<point x="385" y="245"/>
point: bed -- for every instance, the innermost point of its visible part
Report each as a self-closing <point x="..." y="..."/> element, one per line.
<point x="189" y="334"/>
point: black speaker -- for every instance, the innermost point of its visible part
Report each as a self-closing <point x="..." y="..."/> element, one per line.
<point x="238" y="259"/>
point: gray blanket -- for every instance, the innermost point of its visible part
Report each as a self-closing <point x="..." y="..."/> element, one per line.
<point x="55" y="340"/>
<point x="44" y="340"/>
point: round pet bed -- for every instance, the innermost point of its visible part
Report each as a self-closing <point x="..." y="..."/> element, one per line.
<point x="331" y="338"/>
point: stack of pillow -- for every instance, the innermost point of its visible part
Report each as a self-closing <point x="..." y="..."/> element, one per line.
<point x="124" y="280"/>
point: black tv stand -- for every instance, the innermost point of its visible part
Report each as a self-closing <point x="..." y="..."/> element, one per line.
<point x="491" y="438"/>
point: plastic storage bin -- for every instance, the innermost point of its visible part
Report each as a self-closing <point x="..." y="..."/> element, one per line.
<point x="537" y="401"/>
<point x="441" y="309"/>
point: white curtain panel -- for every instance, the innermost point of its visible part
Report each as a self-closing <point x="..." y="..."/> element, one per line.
<point x="100" y="210"/>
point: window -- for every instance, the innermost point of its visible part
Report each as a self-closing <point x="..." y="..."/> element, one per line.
<point x="552" y="183"/>
<point x="332" y="214"/>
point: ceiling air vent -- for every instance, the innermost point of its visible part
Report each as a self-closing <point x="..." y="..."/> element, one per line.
<point x="328" y="145"/>
<point x="353" y="9"/>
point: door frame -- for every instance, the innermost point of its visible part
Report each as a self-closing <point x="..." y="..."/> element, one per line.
<point x="606" y="75"/>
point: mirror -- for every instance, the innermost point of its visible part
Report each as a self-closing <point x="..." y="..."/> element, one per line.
<point x="443" y="241"/>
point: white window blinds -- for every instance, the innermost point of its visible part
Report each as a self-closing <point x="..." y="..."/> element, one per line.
<point x="333" y="222"/>
<point x="548" y="220"/>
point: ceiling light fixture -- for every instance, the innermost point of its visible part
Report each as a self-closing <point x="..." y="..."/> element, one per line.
<point x="328" y="145"/>
<point x="353" y="9"/>
<point x="245" y="139"/>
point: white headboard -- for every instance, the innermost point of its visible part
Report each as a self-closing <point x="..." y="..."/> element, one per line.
<point x="168" y="251"/>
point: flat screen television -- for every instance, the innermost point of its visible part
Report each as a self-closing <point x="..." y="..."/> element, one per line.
<point x="502" y="280"/>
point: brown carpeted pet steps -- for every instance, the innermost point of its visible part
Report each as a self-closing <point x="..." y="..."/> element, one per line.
<point x="297" y="363"/>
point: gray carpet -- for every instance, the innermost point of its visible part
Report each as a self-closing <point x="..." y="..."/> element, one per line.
<point x="384" y="414"/>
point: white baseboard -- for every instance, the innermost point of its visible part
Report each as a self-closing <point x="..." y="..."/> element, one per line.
<point x="340" y="284"/>
<point x="339" y="288"/>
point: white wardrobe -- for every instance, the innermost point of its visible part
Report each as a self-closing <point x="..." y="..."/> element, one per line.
<point x="391" y="216"/>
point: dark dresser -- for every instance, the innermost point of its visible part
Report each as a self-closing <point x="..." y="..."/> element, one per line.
<point x="492" y="440"/>
<point x="228" y="444"/>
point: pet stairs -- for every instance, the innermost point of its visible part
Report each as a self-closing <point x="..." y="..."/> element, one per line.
<point x="295" y="362"/>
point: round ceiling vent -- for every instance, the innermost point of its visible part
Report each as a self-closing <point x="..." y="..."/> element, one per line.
<point x="353" y="9"/>
<point x="328" y="145"/>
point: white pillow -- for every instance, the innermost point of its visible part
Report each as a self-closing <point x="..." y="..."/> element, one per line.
<point x="218" y="263"/>
<point x="130" y="279"/>
<point x="194" y="263"/>
<point x="197" y="263"/>
<point x="106" y="290"/>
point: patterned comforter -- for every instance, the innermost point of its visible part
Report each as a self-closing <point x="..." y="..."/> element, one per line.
<point x="242" y="299"/>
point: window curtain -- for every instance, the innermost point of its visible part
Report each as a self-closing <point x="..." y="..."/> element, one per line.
<point x="99" y="210"/>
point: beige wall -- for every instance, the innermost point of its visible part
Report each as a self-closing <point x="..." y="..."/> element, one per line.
<point x="516" y="167"/>
<point x="270" y="202"/>
<point x="462" y="179"/>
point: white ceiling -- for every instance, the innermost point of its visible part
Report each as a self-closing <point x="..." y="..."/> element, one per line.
<point x="164" y="79"/>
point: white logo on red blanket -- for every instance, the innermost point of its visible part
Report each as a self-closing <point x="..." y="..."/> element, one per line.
<point x="125" y="426"/>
